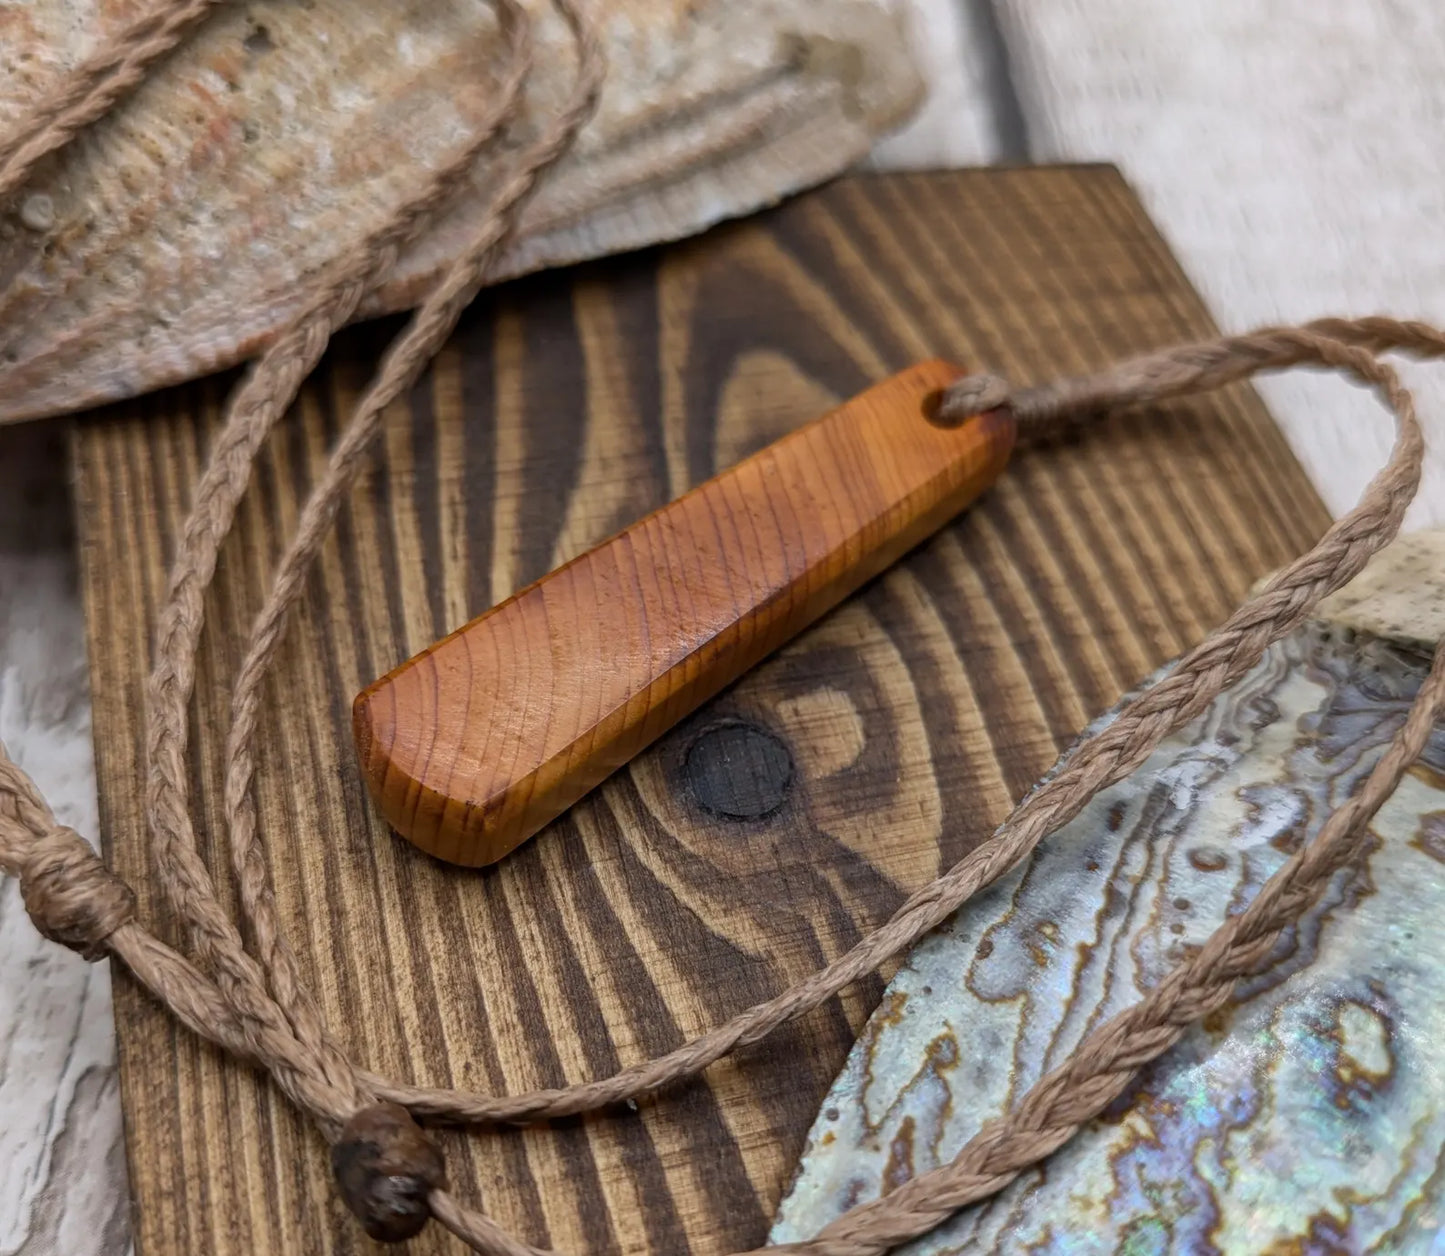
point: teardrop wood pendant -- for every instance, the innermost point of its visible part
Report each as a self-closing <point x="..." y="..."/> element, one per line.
<point x="476" y="743"/>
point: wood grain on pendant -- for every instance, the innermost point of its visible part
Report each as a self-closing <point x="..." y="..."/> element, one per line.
<point x="473" y="745"/>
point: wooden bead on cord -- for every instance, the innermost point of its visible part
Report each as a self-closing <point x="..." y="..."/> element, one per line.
<point x="385" y="1167"/>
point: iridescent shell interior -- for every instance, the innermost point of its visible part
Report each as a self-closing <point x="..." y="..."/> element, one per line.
<point x="1306" y="1116"/>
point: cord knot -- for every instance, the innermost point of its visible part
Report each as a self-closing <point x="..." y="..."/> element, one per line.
<point x="973" y="394"/>
<point x="70" y="895"/>
<point x="386" y="1167"/>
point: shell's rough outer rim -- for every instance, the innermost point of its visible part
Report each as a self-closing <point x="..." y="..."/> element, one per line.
<point x="1310" y="1113"/>
<point x="177" y="235"/>
<point x="1400" y="595"/>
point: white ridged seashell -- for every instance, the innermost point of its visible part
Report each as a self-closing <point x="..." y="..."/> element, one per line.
<point x="176" y="235"/>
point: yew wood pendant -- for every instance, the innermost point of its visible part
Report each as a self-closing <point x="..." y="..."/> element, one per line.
<point x="476" y="743"/>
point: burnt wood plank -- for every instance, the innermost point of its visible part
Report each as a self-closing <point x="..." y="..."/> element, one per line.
<point x="766" y="833"/>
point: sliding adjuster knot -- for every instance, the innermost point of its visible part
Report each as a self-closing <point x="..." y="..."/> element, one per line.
<point x="70" y="895"/>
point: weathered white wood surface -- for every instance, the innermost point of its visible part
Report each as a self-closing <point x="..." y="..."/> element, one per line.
<point x="1290" y="151"/>
<point x="62" y="1169"/>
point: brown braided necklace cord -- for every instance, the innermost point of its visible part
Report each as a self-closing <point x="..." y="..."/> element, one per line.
<point x="253" y="1003"/>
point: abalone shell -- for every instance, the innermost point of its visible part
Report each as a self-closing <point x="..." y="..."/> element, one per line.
<point x="1306" y="1116"/>
<point x="176" y="235"/>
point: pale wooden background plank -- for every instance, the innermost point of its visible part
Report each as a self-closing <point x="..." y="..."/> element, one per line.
<point x="1289" y="150"/>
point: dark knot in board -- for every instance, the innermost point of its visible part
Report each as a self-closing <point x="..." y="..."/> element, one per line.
<point x="739" y="771"/>
<point x="386" y="1167"/>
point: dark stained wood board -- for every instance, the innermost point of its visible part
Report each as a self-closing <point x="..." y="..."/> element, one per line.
<point x="878" y="748"/>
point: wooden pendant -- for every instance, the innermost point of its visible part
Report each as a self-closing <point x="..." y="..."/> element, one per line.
<point x="476" y="743"/>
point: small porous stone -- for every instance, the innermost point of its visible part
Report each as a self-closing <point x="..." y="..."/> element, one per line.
<point x="385" y="1166"/>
